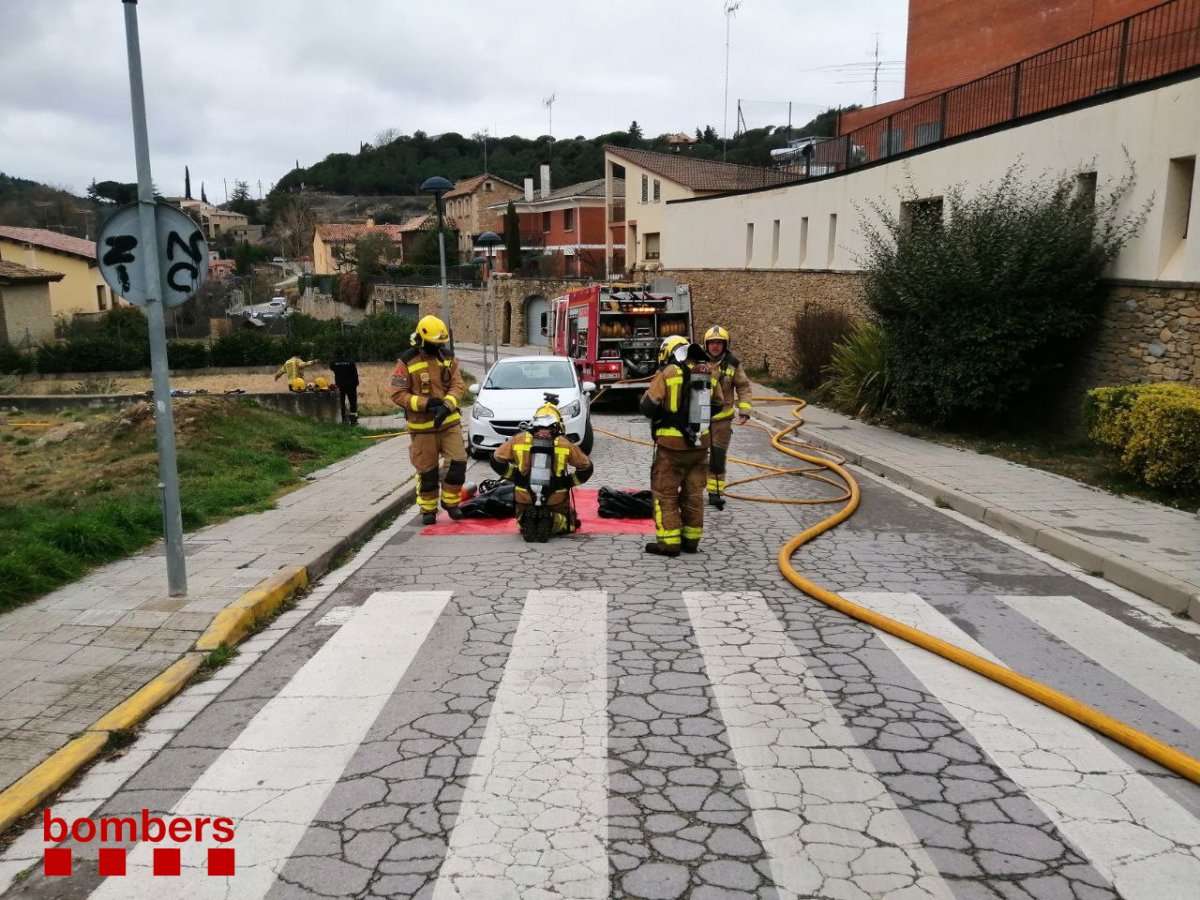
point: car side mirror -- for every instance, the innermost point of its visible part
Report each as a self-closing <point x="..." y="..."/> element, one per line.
<point x="473" y="389"/>
<point x="589" y="387"/>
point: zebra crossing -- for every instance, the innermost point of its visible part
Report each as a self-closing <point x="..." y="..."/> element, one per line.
<point x="926" y="782"/>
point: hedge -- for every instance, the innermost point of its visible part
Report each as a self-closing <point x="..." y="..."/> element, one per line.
<point x="1154" y="427"/>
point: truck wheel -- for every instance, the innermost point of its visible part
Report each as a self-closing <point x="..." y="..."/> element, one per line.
<point x="588" y="437"/>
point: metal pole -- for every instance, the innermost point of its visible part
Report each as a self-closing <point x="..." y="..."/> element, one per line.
<point x="442" y="260"/>
<point x="164" y="424"/>
<point x="493" y="312"/>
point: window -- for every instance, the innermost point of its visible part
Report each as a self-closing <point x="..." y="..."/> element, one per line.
<point x="1085" y="188"/>
<point x="569" y="219"/>
<point x="101" y="303"/>
<point x="645" y="189"/>
<point x="749" y="242"/>
<point x="546" y="222"/>
<point x="487" y="187"/>
<point x="924" y="214"/>
<point x="803" y="239"/>
<point x="832" y="248"/>
<point x="1177" y="207"/>
<point x="775" y="243"/>
<point x="653" y="247"/>
<point x="531" y="375"/>
<point x="657" y="190"/>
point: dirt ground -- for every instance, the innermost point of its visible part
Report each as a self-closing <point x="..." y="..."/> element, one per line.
<point x="374" y="387"/>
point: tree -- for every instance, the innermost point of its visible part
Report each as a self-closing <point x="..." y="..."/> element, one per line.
<point x="373" y="252"/>
<point x="241" y="201"/>
<point x="512" y="238"/>
<point x="635" y="131"/>
<point x="187" y="183"/>
<point x="243" y="259"/>
<point x="292" y="224"/>
<point x="116" y="192"/>
<point x="385" y="137"/>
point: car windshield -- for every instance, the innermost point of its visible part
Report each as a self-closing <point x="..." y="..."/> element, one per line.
<point x="550" y="373"/>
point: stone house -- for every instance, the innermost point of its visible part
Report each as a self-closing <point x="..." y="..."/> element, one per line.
<point x="469" y="205"/>
<point x="25" y="307"/>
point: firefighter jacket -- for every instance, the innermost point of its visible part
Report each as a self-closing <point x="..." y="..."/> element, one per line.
<point x="735" y="386"/>
<point x="419" y="378"/>
<point x="293" y="368"/>
<point x="666" y="403"/>
<point x="513" y="458"/>
<point x="345" y="373"/>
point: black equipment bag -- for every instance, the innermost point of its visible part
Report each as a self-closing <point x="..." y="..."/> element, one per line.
<point x="616" y="504"/>
<point x="495" y="500"/>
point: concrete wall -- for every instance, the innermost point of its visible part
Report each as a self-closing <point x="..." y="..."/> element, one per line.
<point x="323" y="405"/>
<point x="1148" y="126"/>
<point x="25" y="314"/>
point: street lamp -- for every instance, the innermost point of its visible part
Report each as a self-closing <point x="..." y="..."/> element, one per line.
<point x="437" y="185"/>
<point x="489" y="240"/>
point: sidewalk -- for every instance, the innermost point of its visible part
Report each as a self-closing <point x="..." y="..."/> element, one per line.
<point x="1150" y="549"/>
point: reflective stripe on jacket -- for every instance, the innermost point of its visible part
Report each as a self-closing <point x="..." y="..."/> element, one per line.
<point x="419" y="378"/>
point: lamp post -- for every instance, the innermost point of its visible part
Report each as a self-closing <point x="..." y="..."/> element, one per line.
<point x="437" y="185"/>
<point x="490" y="239"/>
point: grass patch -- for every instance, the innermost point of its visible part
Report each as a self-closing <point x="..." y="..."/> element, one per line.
<point x="118" y="740"/>
<point x="222" y="656"/>
<point x="93" y="497"/>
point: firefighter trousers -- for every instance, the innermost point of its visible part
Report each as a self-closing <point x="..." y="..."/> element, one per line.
<point x="722" y="435"/>
<point x="425" y="451"/>
<point x="677" y="484"/>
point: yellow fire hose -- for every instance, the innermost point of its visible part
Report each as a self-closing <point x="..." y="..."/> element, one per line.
<point x="1138" y="741"/>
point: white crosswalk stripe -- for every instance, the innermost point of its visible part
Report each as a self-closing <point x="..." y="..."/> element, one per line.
<point x="534" y="817"/>
<point x="1143" y="842"/>
<point x="274" y="777"/>
<point x="1167" y="678"/>
<point x="809" y="784"/>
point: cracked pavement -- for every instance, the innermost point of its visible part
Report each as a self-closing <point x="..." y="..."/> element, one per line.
<point x="478" y="717"/>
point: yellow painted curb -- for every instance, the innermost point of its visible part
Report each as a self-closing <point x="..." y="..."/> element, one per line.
<point x="42" y="781"/>
<point x="165" y="686"/>
<point x="235" y="621"/>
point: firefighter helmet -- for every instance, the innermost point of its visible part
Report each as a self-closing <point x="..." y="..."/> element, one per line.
<point x="321" y="383"/>
<point x="297" y="385"/>
<point x="717" y="333"/>
<point x="431" y="330"/>
<point x="547" y="416"/>
<point x="672" y="349"/>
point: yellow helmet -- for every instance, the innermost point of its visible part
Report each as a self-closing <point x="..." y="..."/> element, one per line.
<point x="668" y="350"/>
<point x="547" y="416"/>
<point x="296" y="384"/>
<point x="431" y="330"/>
<point x="321" y="383"/>
<point x="717" y="333"/>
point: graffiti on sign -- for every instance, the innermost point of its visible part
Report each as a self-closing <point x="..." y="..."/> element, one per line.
<point x="183" y="255"/>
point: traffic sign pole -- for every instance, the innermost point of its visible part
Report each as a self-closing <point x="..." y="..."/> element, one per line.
<point x="164" y="423"/>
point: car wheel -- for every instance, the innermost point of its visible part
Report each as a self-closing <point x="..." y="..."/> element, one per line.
<point x="476" y="453"/>
<point x="588" y="437"/>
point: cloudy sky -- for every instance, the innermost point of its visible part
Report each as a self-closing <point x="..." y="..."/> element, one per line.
<point x="242" y="89"/>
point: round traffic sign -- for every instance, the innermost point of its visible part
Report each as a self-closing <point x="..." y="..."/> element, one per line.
<point x="182" y="255"/>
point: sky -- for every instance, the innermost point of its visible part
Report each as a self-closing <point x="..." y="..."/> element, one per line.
<point x="243" y="89"/>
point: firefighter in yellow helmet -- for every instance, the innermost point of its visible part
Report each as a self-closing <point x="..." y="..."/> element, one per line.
<point x="538" y="461"/>
<point x="736" y="394"/>
<point x="680" y="402"/>
<point x="428" y="384"/>
<point x="294" y="368"/>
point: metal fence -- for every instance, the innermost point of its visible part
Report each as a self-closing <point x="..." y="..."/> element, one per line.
<point x="1153" y="43"/>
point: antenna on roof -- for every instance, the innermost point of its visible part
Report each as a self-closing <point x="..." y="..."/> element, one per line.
<point x="549" y="104"/>
<point x="731" y="7"/>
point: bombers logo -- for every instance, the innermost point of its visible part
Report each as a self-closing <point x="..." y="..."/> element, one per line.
<point x="144" y="828"/>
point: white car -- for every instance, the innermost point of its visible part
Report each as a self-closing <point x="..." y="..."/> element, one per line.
<point x="514" y="388"/>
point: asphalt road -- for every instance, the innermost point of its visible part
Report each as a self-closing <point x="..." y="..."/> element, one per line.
<point x="472" y="716"/>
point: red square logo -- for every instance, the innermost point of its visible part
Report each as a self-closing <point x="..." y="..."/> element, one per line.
<point x="166" y="860"/>
<point x="112" y="861"/>
<point x="56" y="862"/>
<point x="220" y="861"/>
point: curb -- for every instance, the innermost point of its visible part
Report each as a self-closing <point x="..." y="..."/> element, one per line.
<point x="229" y="626"/>
<point x="1176" y="596"/>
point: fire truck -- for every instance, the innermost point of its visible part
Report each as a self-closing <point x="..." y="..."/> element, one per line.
<point x="612" y="331"/>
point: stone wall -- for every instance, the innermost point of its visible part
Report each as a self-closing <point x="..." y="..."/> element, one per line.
<point x="1150" y="333"/>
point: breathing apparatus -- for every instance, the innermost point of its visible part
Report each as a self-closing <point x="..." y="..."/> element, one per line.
<point x="546" y="420"/>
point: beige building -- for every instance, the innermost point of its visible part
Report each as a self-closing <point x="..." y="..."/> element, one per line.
<point x="217" y="223"/>
<point x="468" y="205"/>
<point x="333" y="245"/>
<point x="25" y="316"/>
<point x="81" y="289"/>
<point x="651" y="181"/>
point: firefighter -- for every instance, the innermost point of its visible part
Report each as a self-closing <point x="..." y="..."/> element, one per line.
<point x="538" y="461"/>
<point x="428" y="384"/>
<point x="680" y="402"/>
<point x="735" y="391"/>
<point x="293" y="369"/>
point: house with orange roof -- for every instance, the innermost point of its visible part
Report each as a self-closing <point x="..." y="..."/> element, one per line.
<point x="468" y="205"/>
<point x="25" y="316"/>
<point x="333" y="244"/>
<point x="412" y="229"/>
<point x="81" y="289"/>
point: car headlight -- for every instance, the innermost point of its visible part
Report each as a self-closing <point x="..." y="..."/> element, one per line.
<point x="571" y="410"/>
<point x="479" y="411"/>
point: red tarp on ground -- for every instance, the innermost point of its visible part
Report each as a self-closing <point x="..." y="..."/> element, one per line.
<point x="586" y="506"/>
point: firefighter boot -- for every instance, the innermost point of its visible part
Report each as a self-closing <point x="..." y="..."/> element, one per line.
<point x="537" y="523"/>
<point x="662" y="549"/>
<point x="716" y="500"/>
<point x="429" y="517"/>
<point x="690" y="546"/>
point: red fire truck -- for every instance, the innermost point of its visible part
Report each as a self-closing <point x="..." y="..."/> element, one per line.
<point x="613" y="331"/>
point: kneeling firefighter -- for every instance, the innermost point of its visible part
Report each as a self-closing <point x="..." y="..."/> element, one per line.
<point x="735" y="391"/>
<point x="428" y="384"/>
<point x="680" y="402"/>
<point x="538" y="461"/>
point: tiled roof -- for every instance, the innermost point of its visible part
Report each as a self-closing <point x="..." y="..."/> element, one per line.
<point x="701" y="174"/>
<point x="342" y="234"/>
<point x="427" y="222"/>
<point x="594" y="188"/>
<point x="467" y="185"/>
<point x="13" y="273"/>
<point x="51" y="240"/>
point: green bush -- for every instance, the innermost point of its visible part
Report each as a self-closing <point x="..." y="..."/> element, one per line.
<point x="101" y="354"/>
<point x="383" y="336"/>
<point x="985" y="305"/>
<point x="861" y="381"/>
<point x="247" y="348"/>
<point x="13" y="360"/>
<point x="187" y="354"/>
<point x="1154" y="427"/>
<point x="815" y="332"/>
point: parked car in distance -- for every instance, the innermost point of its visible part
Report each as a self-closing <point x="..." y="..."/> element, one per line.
<point x="516" y="386"/>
